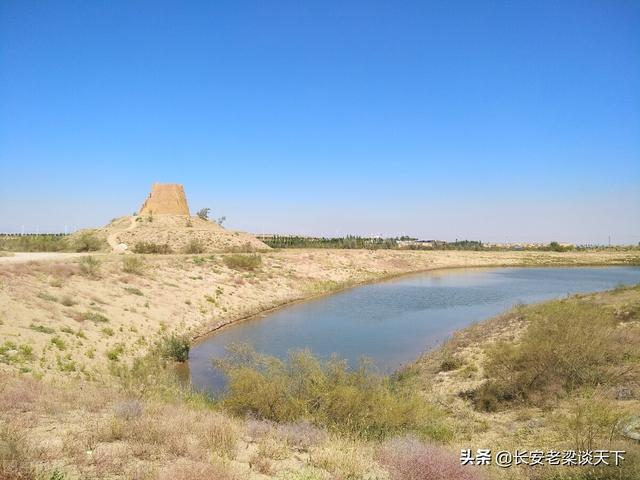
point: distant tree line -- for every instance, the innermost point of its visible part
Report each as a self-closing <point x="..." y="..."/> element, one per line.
<point x="348" y="242"/>
<point x="50" y="242"/>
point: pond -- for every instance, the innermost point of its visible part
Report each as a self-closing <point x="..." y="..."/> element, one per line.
<point x="393" y="322"/>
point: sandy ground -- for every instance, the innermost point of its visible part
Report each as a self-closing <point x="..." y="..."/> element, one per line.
<point x="75" y="324"/>
<point x="63" y="324"/>
<point x="26" y="257"/>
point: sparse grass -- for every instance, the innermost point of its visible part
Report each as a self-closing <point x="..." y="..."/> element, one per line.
<point x="107" y="331"/>
<point x="41" y="328"/>
<point x="346" y="459"/>
<point x="90" y="267"/>
<point x="59" y="343"/>
<point x="194" y="246"/>
<point x="11" y="353"/>
<point x="133" y="291"/>
<point x="133" y="264"/>
<point x="114" y="353"/>
<point x="243" y="262"/>
<point x="450" y="362"/>
<point x="67" y="301"/>
<point x="150" y="247"/>
<point x="95" y="317"/>
<point x="68" y="330"/>
<point x="47" y="297"/>
<point x="15" y="455"/>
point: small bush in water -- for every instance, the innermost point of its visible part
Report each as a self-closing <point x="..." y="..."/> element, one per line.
<point x="175" y="347"/>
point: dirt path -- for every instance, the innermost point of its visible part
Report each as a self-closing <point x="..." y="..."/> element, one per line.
<point x="112" y="239"/>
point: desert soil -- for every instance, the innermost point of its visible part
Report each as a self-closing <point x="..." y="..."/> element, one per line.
<point x="72" y="322"/>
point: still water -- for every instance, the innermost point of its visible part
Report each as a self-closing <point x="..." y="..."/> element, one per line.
<point x="393" y="322"/>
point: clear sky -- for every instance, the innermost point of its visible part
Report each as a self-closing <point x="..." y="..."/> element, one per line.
<point x="492" y="120"/>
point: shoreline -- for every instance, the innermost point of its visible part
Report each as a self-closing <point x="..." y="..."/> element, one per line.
<point x="201" y="337"/>
<point x="76" y="323"/>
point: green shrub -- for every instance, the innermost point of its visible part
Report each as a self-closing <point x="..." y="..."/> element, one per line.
<point x="114" y="353"/>
<point x="587" y="349"/>
<point x="326" y="393"/>
<point x="47" y="297"/>
<point x="90" y="266"/>
<point x="58" y="342"/>
<point x="175" y="347"/>
<point x="150" y="247"/>
<point x="67" y="301"/>
<point x="133" y="291"/>
<point x="243" y="262"/>
<point x="132" y="264"/>
<point x="95" y="317"/>
<point x="450" y="362"/>
<point x="194" y="246"/>
<point x="87" y="242"/>
<point x="41" y="328"/>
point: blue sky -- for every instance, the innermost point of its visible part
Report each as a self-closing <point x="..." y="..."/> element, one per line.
<point x="495" y="120"/>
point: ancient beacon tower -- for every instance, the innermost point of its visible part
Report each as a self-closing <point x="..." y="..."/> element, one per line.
<point x="165" y="199"/>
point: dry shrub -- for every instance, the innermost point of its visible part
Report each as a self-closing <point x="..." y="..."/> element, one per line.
<point x="346" y="459"/>
<point x="261" y="464"/>
<point x="133" y="264"/>
<point x="270" y="447"/>
<point x="589" y="348"/>
<point x="327" y="393"/>
<point x="243" y="262"/>
<point x="218" y="434"/>
<point x="18" y="393"/>
<point x="194" y="245"/>
<point x="300" y="434"/>
<point x="63" y="270"/>
<point x="15" y="455"/>
<point x="406" y="458"/>
<point x="182" y="431"/>
<point x="128" y="409"/>
<point x="150" y="247"/>
<point x="257" y="428"/>
<point x="184" y="469"/>
<point x="90" y="266"/>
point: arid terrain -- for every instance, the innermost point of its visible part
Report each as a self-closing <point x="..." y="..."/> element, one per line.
<point x="72" y="314"/>
<point x="74" y="404"/>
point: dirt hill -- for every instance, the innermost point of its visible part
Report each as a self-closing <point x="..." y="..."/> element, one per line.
<point x="176" y="231"/>
<point x="164" y="222"/>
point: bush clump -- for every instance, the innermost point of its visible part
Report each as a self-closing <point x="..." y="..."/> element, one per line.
<point x="407" y="458"/>
<point x="150" y="247"/>
<point x="175" y="347"/>
<point x="90" y="267"/>
<point x="587" y="350"/>
<point x="327" y="393"/>
<point x="194" y="246"/>
<point x="243" y="262"/>
<point x="87" y="242"/>
<point x="132" y="264"/>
